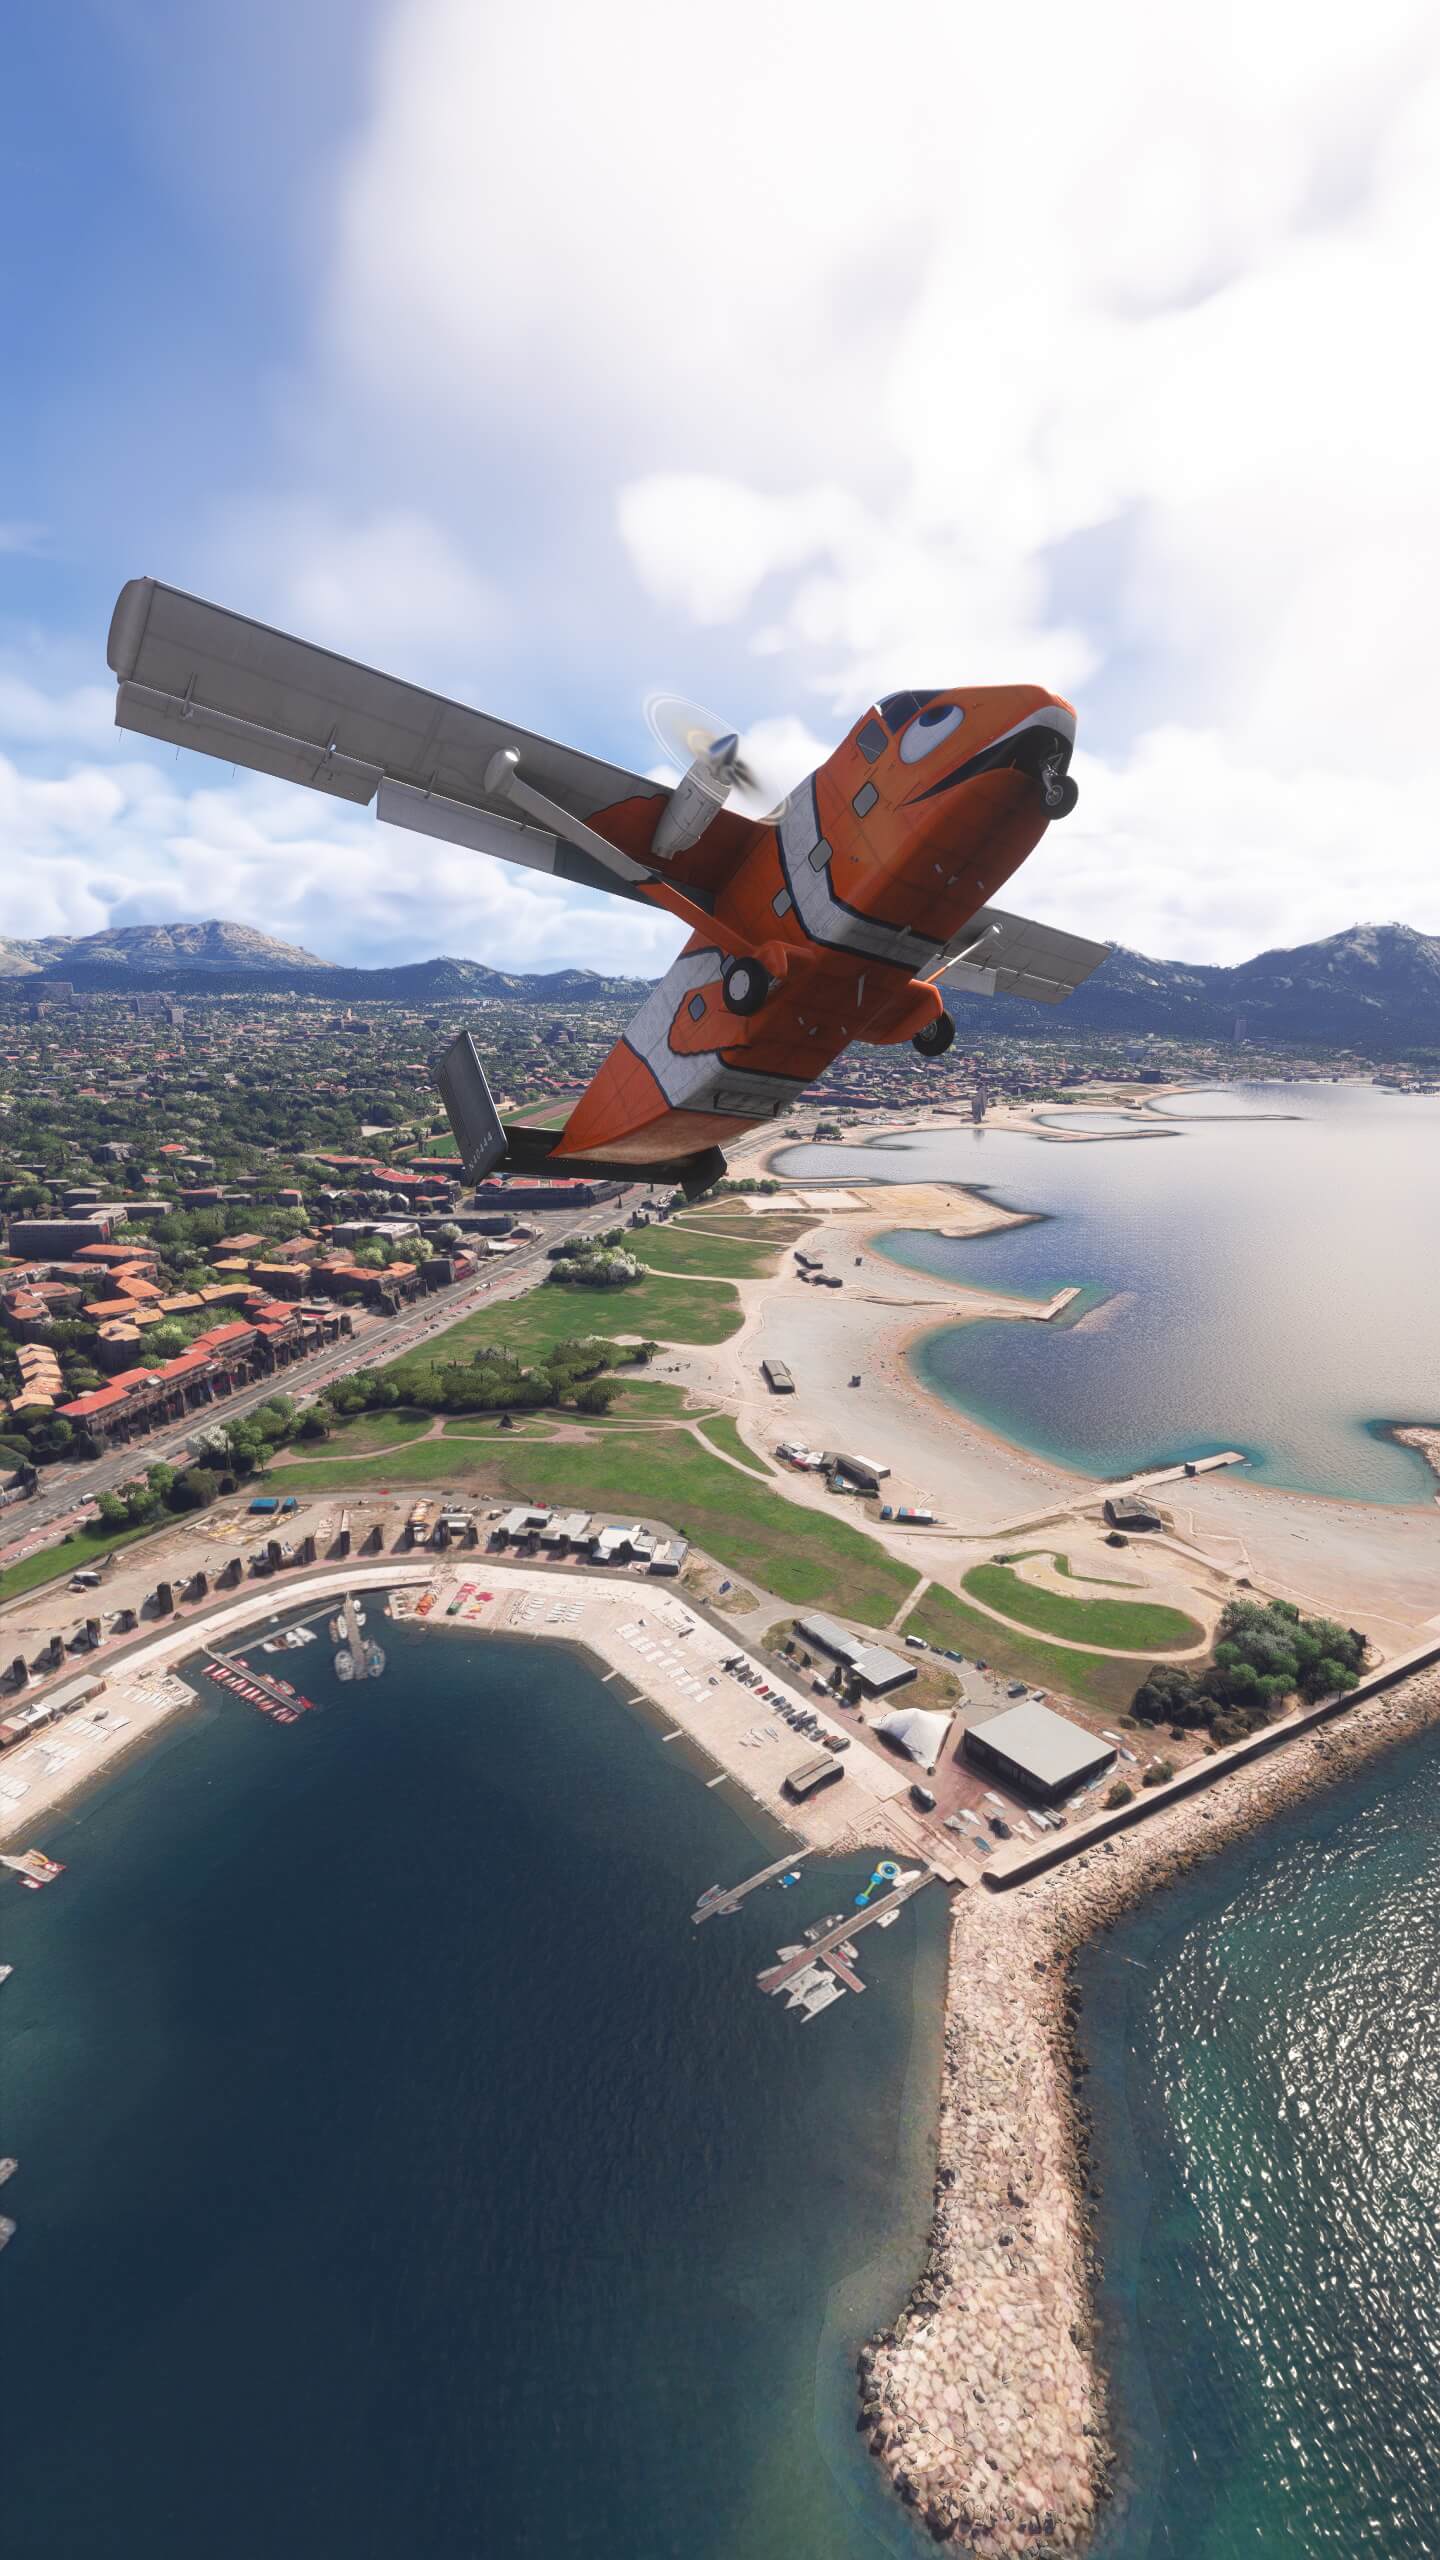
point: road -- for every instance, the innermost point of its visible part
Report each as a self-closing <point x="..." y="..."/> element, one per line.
<point x="67" y="1492"/>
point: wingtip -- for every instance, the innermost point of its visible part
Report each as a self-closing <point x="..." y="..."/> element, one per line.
<point x="127" y="626"/>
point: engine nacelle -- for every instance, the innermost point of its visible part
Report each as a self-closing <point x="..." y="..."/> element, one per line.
<point x="916" y="1008"/>
<point x="697" y="798"/>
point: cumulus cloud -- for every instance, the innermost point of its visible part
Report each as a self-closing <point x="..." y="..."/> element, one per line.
<point x="139" y="843"/>
<point x="1110" y="377"/>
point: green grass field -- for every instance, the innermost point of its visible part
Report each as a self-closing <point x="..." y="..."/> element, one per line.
<point x="943" y="1620"/>
<point x="798" y="1554"/>
<point x="723" y="1433"/>
<point x="1136" y="1626"/>
<point x="656" y="1310"/>
<point x="52" y="1563"/>
<point x="387" y="1428"/>
<point x="688" y="1252"/>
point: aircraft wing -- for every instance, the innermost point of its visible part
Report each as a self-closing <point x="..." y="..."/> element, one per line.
<point x="195" y="675"/>
<point x="1004" y="955"/>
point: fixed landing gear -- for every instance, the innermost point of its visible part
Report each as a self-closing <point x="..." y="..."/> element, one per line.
<point x="744" y="985"/>
<point x="1059" y="794"/>
<point x="936" y="1037"/>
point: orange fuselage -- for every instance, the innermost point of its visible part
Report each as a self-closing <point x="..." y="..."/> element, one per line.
<point x="853" y="897"/>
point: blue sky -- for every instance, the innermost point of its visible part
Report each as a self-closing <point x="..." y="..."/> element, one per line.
<point x="552" y="356"/>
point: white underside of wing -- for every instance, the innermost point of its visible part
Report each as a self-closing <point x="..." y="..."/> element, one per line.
<point x="1000" y="954"/>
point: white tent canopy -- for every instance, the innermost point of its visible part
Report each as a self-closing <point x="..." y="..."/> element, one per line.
<point x="919" y="1730"/>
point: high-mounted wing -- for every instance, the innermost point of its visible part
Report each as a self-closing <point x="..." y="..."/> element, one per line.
<point x="195" y="675"/>
<point x="999" y="954"/>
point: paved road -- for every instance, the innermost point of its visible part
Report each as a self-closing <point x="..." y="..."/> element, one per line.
<point x="67" y="1492"/>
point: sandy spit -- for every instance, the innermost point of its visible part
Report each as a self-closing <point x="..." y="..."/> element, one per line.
<point x="986" y="2400"/>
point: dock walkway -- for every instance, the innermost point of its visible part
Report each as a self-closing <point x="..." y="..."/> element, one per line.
<point x="775" y="1976"/>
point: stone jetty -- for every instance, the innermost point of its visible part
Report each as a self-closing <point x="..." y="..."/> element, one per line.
<point x="985" y="2400"/>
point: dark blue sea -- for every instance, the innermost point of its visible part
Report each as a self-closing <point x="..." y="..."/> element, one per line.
<point x="403" y="2174"/>
<point x="1257" y="1272"/>
<point x="1265" y="2049"/>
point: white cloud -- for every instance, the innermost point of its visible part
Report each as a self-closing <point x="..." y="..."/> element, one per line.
<point x="140" y="843"/>
<point x="391" y="588"/>
<point x="869" y="334"/>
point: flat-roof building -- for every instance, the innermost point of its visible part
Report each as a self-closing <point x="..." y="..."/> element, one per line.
<point x="822" y="1771"/>
<point x="1042" y="1754"/>
<point x="873" y="1666"/>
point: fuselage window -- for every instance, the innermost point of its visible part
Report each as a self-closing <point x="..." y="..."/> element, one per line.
<point x="782" y="904"/>
<point x="819" y="855"/>
<point x="696" y="1008"/>
<point x="872" y="741"/>
<point x="897" y="708"/>
<point x="864" y="800"/>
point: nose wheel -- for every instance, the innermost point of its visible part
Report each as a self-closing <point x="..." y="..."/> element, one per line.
<point x="936" y="1037"/>
<point x="744" y="985"/>
<point x="1059" y="793"/>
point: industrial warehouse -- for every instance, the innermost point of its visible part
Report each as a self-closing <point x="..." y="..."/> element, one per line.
<point x="1039" y="1753"/>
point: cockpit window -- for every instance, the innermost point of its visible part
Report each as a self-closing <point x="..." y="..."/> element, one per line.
<point x="872" y="741"/>
<point x="933" y="725"/>
<point x="897" y="708"/>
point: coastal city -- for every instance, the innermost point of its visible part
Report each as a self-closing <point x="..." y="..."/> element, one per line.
<point x="260" y="1372"/>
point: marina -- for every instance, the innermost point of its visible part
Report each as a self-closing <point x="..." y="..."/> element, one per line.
<point x="258" y="1688"/>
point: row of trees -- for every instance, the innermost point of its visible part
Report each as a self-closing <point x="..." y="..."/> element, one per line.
<point x="1265" y="1653"/>
<point x="229" y="1452"/>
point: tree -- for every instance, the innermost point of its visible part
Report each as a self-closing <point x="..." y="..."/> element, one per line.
<point x="1120" y="1793"/>
<point x="598" y="1396"/>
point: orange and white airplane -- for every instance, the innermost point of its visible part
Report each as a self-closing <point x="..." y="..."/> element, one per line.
<point x="832" y="920"/>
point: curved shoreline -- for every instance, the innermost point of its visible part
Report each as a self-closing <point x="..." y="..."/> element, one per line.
<point x="986" y="2399"/>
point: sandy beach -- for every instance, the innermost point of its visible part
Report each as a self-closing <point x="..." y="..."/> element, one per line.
<point x="1375" y="1565"/>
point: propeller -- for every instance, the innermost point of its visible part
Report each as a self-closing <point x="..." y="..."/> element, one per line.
<point x="706" y="750"/>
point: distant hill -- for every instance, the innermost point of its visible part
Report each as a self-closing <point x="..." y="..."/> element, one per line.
<point x="156" y="952"/>
<point x="1375" y="987"/>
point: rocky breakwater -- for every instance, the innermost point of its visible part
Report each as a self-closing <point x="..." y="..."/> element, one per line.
<point x="985" y="2400"/>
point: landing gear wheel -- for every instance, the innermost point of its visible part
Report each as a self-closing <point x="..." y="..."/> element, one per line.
<point x="936" y="1037"/>
<point x="745" y="985"/>
<point x="1060" y="798"/>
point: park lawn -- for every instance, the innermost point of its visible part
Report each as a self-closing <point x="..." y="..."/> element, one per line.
<point x="691" y="1253"/>
<point x="1136" y="1626"/>
<point x="723" y="1433"/>
<point x="655" y="1310"/>
<point x="488" y="1426"/>
<point x="775" y="1229"/>
<point x="647" y="1399"/>
<point x="750" y="1529"/>
<point x="85" y="1547"/>
<point x="1087" y="1677"/>
<point x="389" y="1427"/>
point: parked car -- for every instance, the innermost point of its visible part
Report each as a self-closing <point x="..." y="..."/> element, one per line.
<point x="921" y="1796"/>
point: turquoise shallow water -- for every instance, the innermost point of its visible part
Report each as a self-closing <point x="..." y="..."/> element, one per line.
<point x="1265" y="2043"/>
<point x="402" y="2173"/>
<point x="1250" y="1281"/>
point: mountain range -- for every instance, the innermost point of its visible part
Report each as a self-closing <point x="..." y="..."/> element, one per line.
<point x="1375" y="987"/>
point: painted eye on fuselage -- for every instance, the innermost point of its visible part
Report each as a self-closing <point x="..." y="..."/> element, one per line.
<point x="931" y="729"/>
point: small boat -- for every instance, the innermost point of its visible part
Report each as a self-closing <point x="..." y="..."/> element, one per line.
<point x="5" y="1972"/>
<point x="7" y="2170"/>
<point x="7" y="2231"/>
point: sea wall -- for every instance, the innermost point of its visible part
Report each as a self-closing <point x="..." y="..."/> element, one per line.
<point x="986" y="2400"/>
